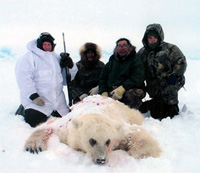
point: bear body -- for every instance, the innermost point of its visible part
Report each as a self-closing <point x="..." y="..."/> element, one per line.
<point x="104" y="126"/>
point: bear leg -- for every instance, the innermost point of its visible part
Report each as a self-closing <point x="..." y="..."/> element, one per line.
<point x="37" y="142"/>
<point x="140" y="144"/>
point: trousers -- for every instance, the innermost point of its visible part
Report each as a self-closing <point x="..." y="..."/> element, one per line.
<point x="34" y="117"/>
<point x="158" y="109"/>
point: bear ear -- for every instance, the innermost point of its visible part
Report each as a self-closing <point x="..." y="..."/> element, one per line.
<point x="76" y="123"/>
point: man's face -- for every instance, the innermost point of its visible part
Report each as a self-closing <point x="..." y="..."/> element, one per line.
<point x="152" y="39"/>
<point x="90" y="55"/>
<point x="123" y="48"/>
<point x="47" y="46"/>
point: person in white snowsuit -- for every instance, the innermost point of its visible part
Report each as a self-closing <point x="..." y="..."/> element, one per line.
<point x="40" y="81"/>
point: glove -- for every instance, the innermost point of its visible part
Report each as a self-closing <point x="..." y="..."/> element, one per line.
<point x="39" y="101"/>
<point x="104" y="94"/>
<point x="83" y="96"/>
<point x="172" y="80"/>
<point x="118" y="93"/>
<point x="66" y="61"/>
<point x="94" y="91"/>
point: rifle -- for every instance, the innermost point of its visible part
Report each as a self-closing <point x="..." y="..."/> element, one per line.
<point x="68" y="76"/>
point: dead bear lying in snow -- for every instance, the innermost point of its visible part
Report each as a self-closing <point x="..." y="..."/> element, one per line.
<point x="97" y="126"/>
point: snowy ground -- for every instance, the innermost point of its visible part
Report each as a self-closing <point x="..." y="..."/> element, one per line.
<point x="179" y="138"/>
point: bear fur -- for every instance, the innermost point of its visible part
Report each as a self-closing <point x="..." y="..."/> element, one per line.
<point x="104" y="126"/>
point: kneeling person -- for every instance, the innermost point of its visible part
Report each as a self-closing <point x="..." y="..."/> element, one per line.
<point x="122" y="78"/>
<point x="40" y="81"/>
<point x="165" y="66"/>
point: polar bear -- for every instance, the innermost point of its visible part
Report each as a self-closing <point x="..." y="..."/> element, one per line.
<point x="97" y="126"/>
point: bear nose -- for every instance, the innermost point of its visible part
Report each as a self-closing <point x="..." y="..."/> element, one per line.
<point x="101" y="161"/>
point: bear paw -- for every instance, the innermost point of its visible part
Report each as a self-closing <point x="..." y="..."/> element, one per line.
<point x="37" y="142"/>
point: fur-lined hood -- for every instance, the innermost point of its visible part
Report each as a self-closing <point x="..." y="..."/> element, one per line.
<point x="83" y="50"/>
<point x="90" y="46"/>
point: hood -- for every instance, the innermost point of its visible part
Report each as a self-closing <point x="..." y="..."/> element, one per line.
<point x="32" y="46"/>
<point x="153" y="27"/>
<point x="90" y="46"/>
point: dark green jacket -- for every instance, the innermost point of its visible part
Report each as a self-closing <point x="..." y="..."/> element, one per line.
<point x="160" y="64"/>
<point x="128" y="72"/>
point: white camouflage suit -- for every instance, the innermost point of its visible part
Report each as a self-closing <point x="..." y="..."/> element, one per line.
<point x="39" y="72"/>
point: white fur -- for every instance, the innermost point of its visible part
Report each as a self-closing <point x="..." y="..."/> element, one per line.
<point x="110" y="124"/>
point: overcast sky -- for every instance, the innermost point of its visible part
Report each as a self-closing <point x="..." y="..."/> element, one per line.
<point x="99" y="21"/>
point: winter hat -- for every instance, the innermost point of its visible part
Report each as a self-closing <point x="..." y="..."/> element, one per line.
<point x="45" y="37"/>
<point x="153" y="33"/>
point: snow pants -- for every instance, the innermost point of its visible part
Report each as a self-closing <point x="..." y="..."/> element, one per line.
<point x="34" y="117"/>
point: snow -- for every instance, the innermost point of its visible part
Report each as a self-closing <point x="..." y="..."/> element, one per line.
<point x="179" y="137"/>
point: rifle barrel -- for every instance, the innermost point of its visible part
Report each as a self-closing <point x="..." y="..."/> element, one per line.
<point x="64" y="42"/>
<point x="68" y="75"/>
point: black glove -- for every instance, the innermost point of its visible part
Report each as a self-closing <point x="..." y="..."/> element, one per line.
<point x="66" y="61"/>
<point x="172" y="80"/>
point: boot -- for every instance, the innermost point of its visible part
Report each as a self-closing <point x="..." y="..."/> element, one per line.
<point x="20" y="110"/>
<point x="145" y="107"/>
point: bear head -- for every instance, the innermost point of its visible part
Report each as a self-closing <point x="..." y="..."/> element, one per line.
<point x="97" y="135"/>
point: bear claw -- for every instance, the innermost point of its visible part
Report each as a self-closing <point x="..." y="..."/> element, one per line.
<point x="33" y="151"/>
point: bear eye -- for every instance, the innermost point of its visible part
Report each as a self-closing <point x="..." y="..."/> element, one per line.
<point x="92" y="142"/>
<point x="108" y="142"/>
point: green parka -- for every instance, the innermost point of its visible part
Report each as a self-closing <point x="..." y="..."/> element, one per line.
<point x="128" y="72"/>
<point x="160" y="64"/>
